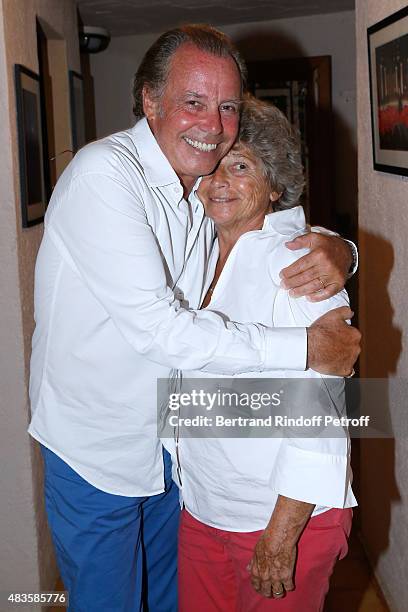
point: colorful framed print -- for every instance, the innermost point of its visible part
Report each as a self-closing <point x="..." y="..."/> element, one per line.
<point x="388" y="66"/>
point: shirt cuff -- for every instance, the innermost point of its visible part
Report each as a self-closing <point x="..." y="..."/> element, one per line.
<point x="354" y="253"/>
<point x="315" y="478"/>
<point x="317" y="229"/>
<point x="285" y="348"/>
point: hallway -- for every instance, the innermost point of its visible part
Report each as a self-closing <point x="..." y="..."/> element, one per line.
<point x="353" y="587"/>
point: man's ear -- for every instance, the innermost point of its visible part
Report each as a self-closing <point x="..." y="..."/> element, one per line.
<point x="149" y="104"/>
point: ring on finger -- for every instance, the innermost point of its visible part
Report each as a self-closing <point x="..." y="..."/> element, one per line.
<point x="322" y="283"/>
<point x="277" y="593"/>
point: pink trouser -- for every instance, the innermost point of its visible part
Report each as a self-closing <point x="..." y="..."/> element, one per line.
<point x="213" y="575"/>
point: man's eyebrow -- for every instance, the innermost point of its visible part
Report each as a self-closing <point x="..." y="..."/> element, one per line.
<point x="194" y="94"/>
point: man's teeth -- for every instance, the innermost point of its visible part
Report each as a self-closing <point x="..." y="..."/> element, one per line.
<point x="203" y="146"/>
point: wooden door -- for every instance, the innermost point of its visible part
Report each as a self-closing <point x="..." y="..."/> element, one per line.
<point x="301" y="87"/>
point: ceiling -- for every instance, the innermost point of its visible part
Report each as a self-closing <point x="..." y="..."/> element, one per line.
<point x="124" y="17"/>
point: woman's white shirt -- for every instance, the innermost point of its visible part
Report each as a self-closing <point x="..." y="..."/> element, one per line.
<point x="233" y="483"/>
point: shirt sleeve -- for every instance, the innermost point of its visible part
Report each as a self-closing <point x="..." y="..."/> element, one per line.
<point x="100" y="227"/>
<point x="318" y="473"/>
<point x="316" y="469"/>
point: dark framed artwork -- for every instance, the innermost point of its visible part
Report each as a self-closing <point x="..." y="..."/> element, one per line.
<point x="76" y="91"/>
<point x="31" y="147"/>
<point x="280" y="97"/>
<point x="388" y="67"/>
<point x="301" y="89"/>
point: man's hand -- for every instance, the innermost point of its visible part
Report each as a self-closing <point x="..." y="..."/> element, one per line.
<point x="321" y="273"/>
<point x="274" y="557"/>
<point x="332" y="345"/>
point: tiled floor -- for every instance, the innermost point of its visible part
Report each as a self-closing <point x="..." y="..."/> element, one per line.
<point x="353" y="587"/>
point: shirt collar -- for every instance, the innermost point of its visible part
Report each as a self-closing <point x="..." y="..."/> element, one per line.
<point x="193" y="197"/>
<point x="286" y="222"/>
<point x="157" y="169"/>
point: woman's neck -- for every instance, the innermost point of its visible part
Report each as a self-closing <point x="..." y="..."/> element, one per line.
<point x="228" y="236"/>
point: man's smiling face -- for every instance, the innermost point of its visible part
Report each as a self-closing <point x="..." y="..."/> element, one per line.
<point x="196" y="120"/>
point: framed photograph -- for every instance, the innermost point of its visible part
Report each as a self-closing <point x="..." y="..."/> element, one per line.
<point x="31" y="147"/>
<point x="76" y="91"/>
<point x="280" y="97"/>
<point x="388" y="65"/>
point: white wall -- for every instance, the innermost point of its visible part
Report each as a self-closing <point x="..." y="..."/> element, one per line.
<point x="331" y="34"/>
<point x="383" y="217"/>
<point x="26" y="558"/>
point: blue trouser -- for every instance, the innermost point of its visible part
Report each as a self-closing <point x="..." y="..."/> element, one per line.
<point x="114" y="553"/>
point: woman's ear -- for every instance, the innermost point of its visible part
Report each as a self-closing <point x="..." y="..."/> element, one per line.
<point x="149" y="104"/>
<point x="274" y="196"/>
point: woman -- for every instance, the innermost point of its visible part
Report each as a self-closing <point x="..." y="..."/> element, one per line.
<point x="264" y="519"/>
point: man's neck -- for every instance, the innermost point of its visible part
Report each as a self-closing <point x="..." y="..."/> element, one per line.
<point x="187" y="183"/>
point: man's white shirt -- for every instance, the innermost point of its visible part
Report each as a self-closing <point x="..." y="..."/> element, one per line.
<point x="119" y="270"/>
<point x="233" y="483"/>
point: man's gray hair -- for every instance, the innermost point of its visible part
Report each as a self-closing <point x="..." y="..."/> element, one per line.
<point x="154" y="69"/>
<point x="267" y="132"/>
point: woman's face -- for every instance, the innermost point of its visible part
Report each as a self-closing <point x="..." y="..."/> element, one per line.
<point x="237" y="193"/>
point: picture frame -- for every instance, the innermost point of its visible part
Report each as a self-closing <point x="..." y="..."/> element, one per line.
<point x="30" y="146"/>
<point x="76" y="92"/>
<point x="388" y="74"/>
<point x="281" y="97"/>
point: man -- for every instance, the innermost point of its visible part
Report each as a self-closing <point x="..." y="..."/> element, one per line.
<point x="120" y="269"/>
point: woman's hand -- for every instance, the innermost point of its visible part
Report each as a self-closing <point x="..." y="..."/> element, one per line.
<point x="272" y="566"/>
<point x="321" y="273"/>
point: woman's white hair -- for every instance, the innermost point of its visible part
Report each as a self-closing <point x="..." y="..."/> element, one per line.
<point x="270" y="136"/>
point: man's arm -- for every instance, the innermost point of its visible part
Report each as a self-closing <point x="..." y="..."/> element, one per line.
<point x="321" y="273"/>
<point x="274" y="556"/>
<point x="101" y="229"/>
